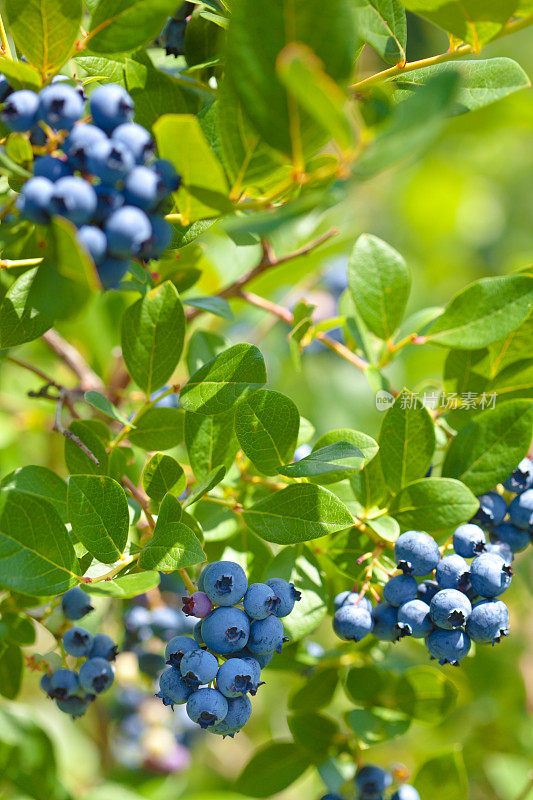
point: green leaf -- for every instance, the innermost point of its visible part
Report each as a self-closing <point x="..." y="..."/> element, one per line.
<point x="252" y="69"/>
<point x="372" y="726"/>
<point x="171" y="547"/>
<point x="433" y="504"/>
<point x="317" y="691"/>
<point x="122" y="25"/>
<point x="368" y="485"/>
<point x="482" y="82"/>
<point x="486" y="451"/>
<point x="11" y="670"/>
<point x="218" y="522"/>
<point x="516" y="380"/>
<point x="98" y="512"/>
<point x="214" y="305"/>
<point x="210" y="441"/>
<point x="44" y="30"/>
<point x="203" y="346"/>
<point x="267" y="426"/>
<point x="483" y="312"/>
<point x="361" y="441"/>
<point x="406" y="441"/>
<point x="372" y="686"/>
<point x="19" y="629"/>
<point x="314" y="732"/>
<point x="297" y="514"/>
<point x="341" y="457"/>
<point x="113" y="68"/>
<point x="124" y="587"/>
<point x="19" y="321"/>
<point x="426" y="695"/>
<point x="36" y="553"/>
<point x="226" y="380"/>
<point x="385" y="527"/>
<point x="205" y="486"/>
<point x="203" y="191"/>
<point x="473" y="21"/>
<point x="106" y="407"/>
<point x="76" y="460"/>
<point x="158" y="429"/>
<point x="153" y="331"/>
<point x="163" y="474"/>
<point x="383" y="26"/>
<point x="379" y="282"/>
<point x="271" y="769"/>
<point x="39" y="482"/>
<point x="169" y="510"/>
<point x="154" y="92"/>
<point x="20" y="75"/>
<point x="512" y="347"/>
<point x="444" y="777"/>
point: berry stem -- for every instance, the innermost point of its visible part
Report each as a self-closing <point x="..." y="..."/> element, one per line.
<point x="6" y="263"/>
<point x="191" y="588"/>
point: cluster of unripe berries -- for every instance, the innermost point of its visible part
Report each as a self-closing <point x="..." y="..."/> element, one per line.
<point x="74" y="690"/>
<point x="375" y="783"/>
<point x="100" y="175"/>
<point x="457" y="603"/>
<point x="239" y="623"/>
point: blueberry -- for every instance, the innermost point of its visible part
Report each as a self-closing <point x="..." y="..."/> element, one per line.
<point x="137" y="139"/>
<point x="177" y="647"/>
<point x="76" y="604"/>
<point x="161" y="238"/>
<point x="266" y="635"/>
<point x="260" y="600"/>
<point x="60" y="106"/>
<point x="225" y="583"/>
<point x="517" y="538"/>
<point x="469" y="540"/>
<point x="452" y="572"/>
<point x="385" y="618"/>
<point x="226" y="630"/>
<point x="35" y="200"/>
<point x="110" y="161"/>
<point x="166" y="622"/>
<point x="45" y="683"/>
<point x="127" y="230"/>
<point x="416" y="553"/>
<point x="488" y="622"/>
<point x="96" y="675"/>
<point x="400" y="589"/>
<point x="238" y="676"/>
<point x="94" y="241"/>
<point x="341" y="599"/>
<point x="111" y="271"/>
<point x="51" y="168"/>
<point x="38" y="136"/>
<point x="405" y="792"/>
<point x="262" y="660"/>
<point x="197" y="633"/>
<point x="371" y="782"/>
<point x="450" y="609"/>
<point x="490" y="575"/>
<point x="238" y="714"/>
<point x="75" y="706"/>
<point x="77" y="642"/>
<point x="330" y="796"/>
<point x="74" y="199"/>
<point x="63" y="683"/>
<point x="173" y="690"/>
<point x="20" y="111"/>
<point x="103" y="646"/>
<point x="352" y="622"/>
<point x="197" y="605"/>
<point x="521" y="510"/>
<point x="207" y="707"/>
<point x="287" y="593"/>
<point x="521" y="478"/>
<point x="66" y="79"/>
<point x="137" y="619"/>
<point x="167" y="172"/>
<point x="144" y="188"/>
<point x="111" y="106"/>
<point x="5" y="88"/>
<point x="169" y="401"/>
<point x="414" y="619"/>
<point x="80" y="142"/>
<point x="173" y="37"/>
<point x="449" y="647"/>
<point x="500" y="549"/>
<point x="351" y="598"/>
<point x="492" y="509"/>
<point x="427" y="590"/>
<point x="150" y="664"/>
<point x="198" y="667"/>
<point x="108" y="199"/>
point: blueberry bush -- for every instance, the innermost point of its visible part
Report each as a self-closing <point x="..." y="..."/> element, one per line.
<point x="266" y="408"/>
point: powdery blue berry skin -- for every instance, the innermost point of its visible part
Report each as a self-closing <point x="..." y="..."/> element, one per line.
<point x="128" y="229"/>
<point x="45" y="683"/>
<point x="492" y="509"/>
<point x="452" y="572"/>
<point x="177" y="647"/>
<point x="500" y="549"/>
<point x="521" y="510"/>
<point x="170" y="401"/>
<point x="63" y="683"/>
<point x="371" y="782"/>
<point x="262" y="659"/>
<point x="60" y="106"/>
<point x="405" y="792"/>
<point x="111" y="106"/>
<point x="5" y="88"/>
<point x="35" y="200"/>
<point x="110" y="161"/>
<point x="103" y="646"/>
<point x="76" y="604"/>
<point x="80" y="142"/>
<point x="352" y="598"/>
<point x="137" y="139"/>
<point x="51" y="168"/>
<point x="173" y="690"/>
<point x="167" y="172"/>
<point x="488" y="622"/>
<point x="517" y="538"/>
<point x="226" y="630"/>
<point x="74" y="199"/>
<point x="469" y="540"/>
<point x="77" y="642"/>
<point x="75" y="706"/>
<point x="108" y="199"/>
<point x="414" y="619"/>
<point x="94" y="241"/>
<point x="287" y="593"/>
<point x="96" y="675"/>
<point x="260" y="600"/>
<point x="207" y="707"/>
<point x="137" y="619"/>
<point x="385" y="618"/>
<point x="161" y="239"/>
<point x="225" y="583"/>
<point x="521" y="478"/>
<point x="416" y="553"/>
<point x="238" y="676"/>
<point x="197" y="633"/>
<point x="20" y="111"/>
<point x="400" y="589"/>
<point x="111" y="271"/>
<point x="427" y="590"/>
<point x="448" y="647"/>
<point x="144" y="188"/>
<point x="450" y="609"/>
<point x="197" y="604"/>
<point x="266" y="635"/>
<point x="490" y="575"/>
<point x="352" y="623"/>
<point x="198" y="667"/>
<point x="238" y="714"/>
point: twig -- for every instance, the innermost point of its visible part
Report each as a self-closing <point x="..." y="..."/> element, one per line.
<point x="74" y="360"/>
<point x="24" y="364"/>
<point x="60" y="428"/>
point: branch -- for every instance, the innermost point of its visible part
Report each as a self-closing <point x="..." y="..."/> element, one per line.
<point x="74" y="360"/>
<point x="60" y="428"/>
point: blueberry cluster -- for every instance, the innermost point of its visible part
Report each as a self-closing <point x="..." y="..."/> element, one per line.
<point x="100" y="175"/>
<point x="240" y="623"/>
<point x="74" y="691"/>
<point x="375" y="783"/>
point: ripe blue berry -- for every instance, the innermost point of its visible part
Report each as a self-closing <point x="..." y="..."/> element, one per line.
<point x="96" y="675"/>
<point x="452" y="572"/>
<point x="80" y="142"/>
<point x="371" y="782"/>
<point x="137" y="140"/>
<point x="169" y="401"/>
<point x="137" y="620"/>
<point x="330" y="796"/>
<point x="266" y="635"/>
<point x="161" y="238"/>
<point x="108" y="199"/>
<point x="66" y="79"/>
<point x="238" y="714"/>
<point x="103" y="646"/>
<point x="492" y="509"/>
<point x="449" y="647"/>
<point x="226" y="630"/>
<point x="144" y="188"/>
<point x="75" y="706"/>
<point x="517" y="538"/>
<point x="405" y="792"/>
<point x="176" y="649"/>
<point x="63" y="683"/>
<point x="521" y="510"/>
<point x="263" y="660"/>
<point x="352" y="622"/>
<point x="260" y="600"/>
<point x="94" y="241"/>
<point x="385" y="618"/>
<point x="414" y="619"/>
<point x="60" y="106"/>
<point x="197" y="633"/>
<point x="77" y="642"/>
<point x="501" y="549"/>
<point x="35" y="200"/>
<point x="111" y="271"/>
<point x="238" y="676"/>
<point x="167" y="172"/>
<point x="5" y="88"/>
<point x="128" y="229"/>
<point x="490" y="575"/>
<point x="488" y="622"/>
<point x="111" y="106"/>
<point x="110" y="161"/>
<point x="207" y="707"/>
<point x="45" y="683"/>
<point x="198" y="667"/>
<point x="416" y="553"/>
<point x="469" y="540"/>
<point x="521" y="478"/>
<point x="450" y="609"/>
<point x="20" y="111"/>
<point x="51" y="168"/>
<point x="173" y="690"/>
<point x="74" y="199"/>
<point x="400" y="589"/>
<point x="287" y="593"/>
<point x="427" y="590"/>
<point x="76" y="604"/>
<point x="225" y="583"/>
<point x="197" y="605"/>
<point x="352" y="598"/>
